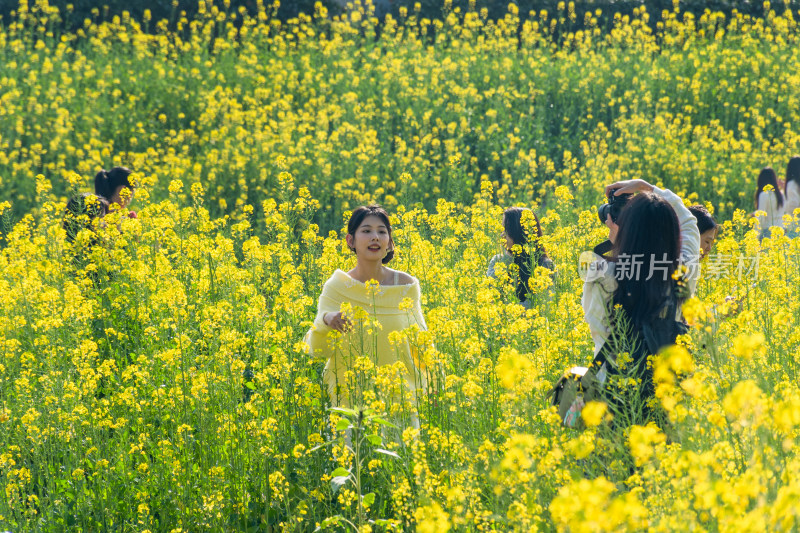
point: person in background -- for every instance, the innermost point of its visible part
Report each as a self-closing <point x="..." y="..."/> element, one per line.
<point x="518" y="224"/>
<point x="82" y="212"/>
<point x="770" y="202"/>
<point x="115" y="186"/>
<point x="792" y="194"/>
<point x="82" y="217"/>
<point x="707" y="227"/>
<point x="394" y="304"/>
<point x="631" y="297"/>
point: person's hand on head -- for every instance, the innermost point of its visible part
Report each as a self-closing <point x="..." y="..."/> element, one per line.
<point x="628" y="187"/>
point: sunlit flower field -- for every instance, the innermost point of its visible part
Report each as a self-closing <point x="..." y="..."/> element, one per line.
<point x="158" y="380"/>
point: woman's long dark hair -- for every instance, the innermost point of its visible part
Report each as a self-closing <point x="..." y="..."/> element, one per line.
<point x="792" y="173"/>
<point x="649" y="234"/>
<point x="766" y="177"/>
<point x="515" y="230"/>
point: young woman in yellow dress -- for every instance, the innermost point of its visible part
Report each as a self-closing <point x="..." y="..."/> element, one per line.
<point x="368" y="322"/>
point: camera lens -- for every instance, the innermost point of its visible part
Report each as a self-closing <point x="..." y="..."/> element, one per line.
<point x="603" y="211"/>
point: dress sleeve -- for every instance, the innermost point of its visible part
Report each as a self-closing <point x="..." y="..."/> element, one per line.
<point x="776" y="213"/>
<point x="761" y="206"/>
<point x="325" y="305"/>
<point x="768" y="203"/>
<point x="490" y="271"/>
<point x="598" y="290"/>
<point x="416" y="309"/>
<point x="773" y="211"/>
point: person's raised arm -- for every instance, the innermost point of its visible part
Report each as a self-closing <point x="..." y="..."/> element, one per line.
<point x="792" y="200"/>
<point x="690" y="234"/>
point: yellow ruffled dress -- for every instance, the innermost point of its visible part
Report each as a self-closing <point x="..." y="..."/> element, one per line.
<point x="386" y="323"/>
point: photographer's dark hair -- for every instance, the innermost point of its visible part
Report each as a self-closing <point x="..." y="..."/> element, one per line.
<point x="358" y="216"/>
<point x="650" y="233"/>
<point x="705" y="220"/>
<point x="766" y="177"/>
<point x="792" y="172"/>
<point x="81" y="210"/>
<point x="515" y="230"/>
<point x="106" y="182"/>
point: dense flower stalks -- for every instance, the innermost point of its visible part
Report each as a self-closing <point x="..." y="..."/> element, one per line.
<point x="160" y="382"/>
<point x="420" y="112"/>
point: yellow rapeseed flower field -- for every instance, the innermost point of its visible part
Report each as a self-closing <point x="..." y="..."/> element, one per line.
<point x="153" y="375"/>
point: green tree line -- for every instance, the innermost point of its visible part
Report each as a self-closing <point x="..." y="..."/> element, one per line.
<point x="76" y="12"/>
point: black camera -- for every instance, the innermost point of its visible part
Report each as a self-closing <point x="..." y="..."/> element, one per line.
<point x="613" y="207"/>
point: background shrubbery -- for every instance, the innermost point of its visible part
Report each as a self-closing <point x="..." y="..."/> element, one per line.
<point x="412" y="116"/>
<point x="169" y="9"/>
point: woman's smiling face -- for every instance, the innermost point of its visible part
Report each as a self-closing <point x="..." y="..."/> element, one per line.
<point x="371" y="239"/>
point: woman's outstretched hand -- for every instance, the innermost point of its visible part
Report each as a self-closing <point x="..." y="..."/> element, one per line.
<point x="336" y="321"/>
<point x="628" y="187"/>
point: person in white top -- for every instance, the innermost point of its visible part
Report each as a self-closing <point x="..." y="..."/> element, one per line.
<point x="654" y="234"/>
<point x="768" y="202"/>
<point x="792" y="194"/>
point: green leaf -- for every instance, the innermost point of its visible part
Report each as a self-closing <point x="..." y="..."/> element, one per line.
<point x="383" y="422"/>
<point x="250" y="385"/>
<point x="328" y="522"/>
<point x="387" y="452"/>
<point x="318" y="446"/>
<point x="375" y="440"/>
<point x="342" y="424"/>
<point x="343" y="411"/>
<point x="341" y="472"/>
<point x="368" y="499"/>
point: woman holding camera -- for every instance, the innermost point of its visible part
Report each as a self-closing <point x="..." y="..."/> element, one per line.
<point x="630" y="294"/>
